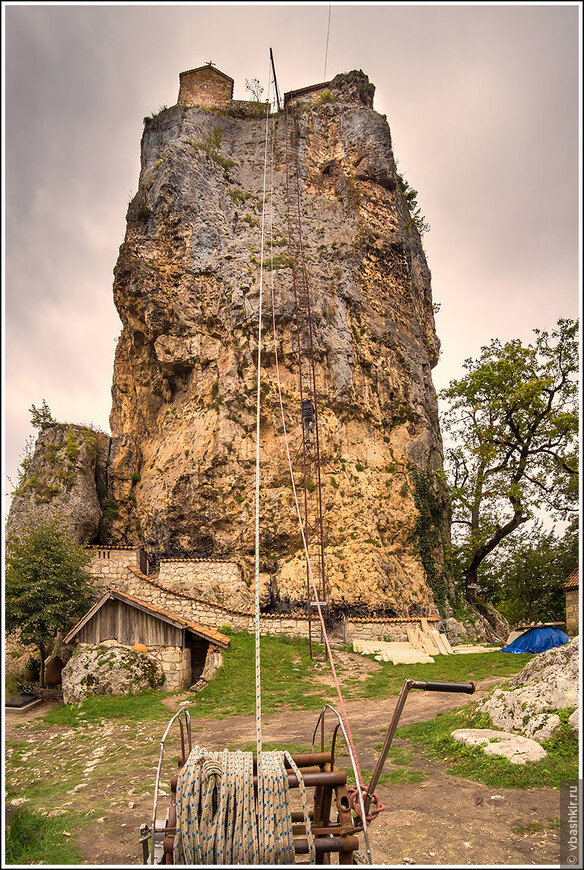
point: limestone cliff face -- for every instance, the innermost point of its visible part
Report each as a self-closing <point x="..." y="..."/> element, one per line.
<point x="187" y="291"/>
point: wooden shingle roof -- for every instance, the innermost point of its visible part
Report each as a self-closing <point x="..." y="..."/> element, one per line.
<point x="206" y="633"/>
<point x="572" y="581"/>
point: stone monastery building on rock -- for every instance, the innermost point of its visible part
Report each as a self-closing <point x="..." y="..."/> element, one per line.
<point x="204" y="86"/>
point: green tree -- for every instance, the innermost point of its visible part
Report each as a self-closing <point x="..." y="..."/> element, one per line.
<point x="512" y="421"/>
<point x="41" y="417"/>
<point x="47" y="587"/>
<point x="526" y="582"/>
<point x="411" y="198"/>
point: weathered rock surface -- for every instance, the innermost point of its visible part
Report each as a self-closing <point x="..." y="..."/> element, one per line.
<point x="177" y="475"/>
<point x="187" y="291"/>
<point x="486" y="624"/>
<point x="108" y="670"/>
<point x="213" y="662"/>
<point x="548" y="683"/>
<point x="558" y="667"/>
<point x="517" y="749"/>
<point x="62" y="479"/>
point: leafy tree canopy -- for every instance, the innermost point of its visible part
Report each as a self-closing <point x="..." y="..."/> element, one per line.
<point x="513" y="423"/>
<point x="526" y="581"/>
<point x="47" y="587"/>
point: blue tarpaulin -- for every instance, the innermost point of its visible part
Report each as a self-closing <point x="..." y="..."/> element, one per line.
<point x="537" y="640"/>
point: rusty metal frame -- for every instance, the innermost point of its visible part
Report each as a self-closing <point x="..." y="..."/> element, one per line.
<point x="145" y="835"/>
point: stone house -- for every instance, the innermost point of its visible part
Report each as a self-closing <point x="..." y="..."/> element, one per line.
<point x="572" y="611"/>
<point x="204" y="86"/>
<point x="180" y="646"/>
<point x="305" y="95"/>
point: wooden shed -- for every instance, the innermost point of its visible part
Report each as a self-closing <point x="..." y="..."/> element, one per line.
<point x="179" y="645"/>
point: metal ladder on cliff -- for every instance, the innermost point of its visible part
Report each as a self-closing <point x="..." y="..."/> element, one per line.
<point x="307" y="460"/>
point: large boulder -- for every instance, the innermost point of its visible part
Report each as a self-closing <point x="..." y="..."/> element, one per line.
<point x="548" y="683"/>
<point x="517" y="749"/>
<point x="109" y="670"/>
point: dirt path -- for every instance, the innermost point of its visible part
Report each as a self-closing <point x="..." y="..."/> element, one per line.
<point x="440" y="821"/>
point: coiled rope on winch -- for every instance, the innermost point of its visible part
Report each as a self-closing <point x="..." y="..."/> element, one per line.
<point x="219" y="821"/>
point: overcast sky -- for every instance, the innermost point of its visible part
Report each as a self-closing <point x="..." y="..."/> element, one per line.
<point x="482" y="102"/>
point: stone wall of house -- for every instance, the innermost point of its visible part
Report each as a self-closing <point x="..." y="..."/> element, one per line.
<point x="176" y="664"/>
<point x="572" y="612"/>
<point x="307" y="97"/>
<point x="109" y="565"/>
<point x="204" y="87"/>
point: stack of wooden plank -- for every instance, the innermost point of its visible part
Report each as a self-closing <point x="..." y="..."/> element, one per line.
<point x="398" y="652"/>
<point x="465" y="648"/>
<point x="429" y="639"/>
<point x="422" y="644"/>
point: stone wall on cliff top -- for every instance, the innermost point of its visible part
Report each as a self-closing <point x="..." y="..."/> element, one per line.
<point x="179" y="468"/>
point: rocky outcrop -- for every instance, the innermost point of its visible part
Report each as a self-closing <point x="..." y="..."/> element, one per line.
<point x="513" y="747"/>
<point x="187" y="291"/>
<point x="481" y="624"/>
<point x="63" y="477"/>
<point x="547" y="684"/>
<point x="108" y="670"/>
<point x="177" y="475"/>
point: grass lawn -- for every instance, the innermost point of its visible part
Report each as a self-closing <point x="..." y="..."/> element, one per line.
<point x="432" y="739"/>
<point x="290" y="679"/>
<point x="44" y="771"/>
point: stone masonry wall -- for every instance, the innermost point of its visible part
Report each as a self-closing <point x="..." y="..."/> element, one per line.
<point x="110" y="564"/>
<point x="204" y="87"/>
<point x="195" y="571"/>
<point x="572" y="611"/>
<point x="169" y="590"/>
<point x="380" y="629"/>
<point x="176" y="664"/>
<point x="207" y="613"/>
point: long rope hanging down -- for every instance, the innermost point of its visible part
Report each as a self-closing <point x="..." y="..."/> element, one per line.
<point x="270" y="766"/>
<point x="221" y="817"/>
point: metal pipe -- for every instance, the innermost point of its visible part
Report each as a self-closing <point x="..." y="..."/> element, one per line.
<point x="426" y="686"/>
<point x="310" y="759"/>
<point x="323" y="845"/>
<point x="388" y="738"/>
<point x="323" y="777"/>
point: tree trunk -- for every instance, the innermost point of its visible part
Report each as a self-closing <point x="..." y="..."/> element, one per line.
<point x="42" y="652"/>
<point x="470" y="583"/>
<point x="471" y="573"/>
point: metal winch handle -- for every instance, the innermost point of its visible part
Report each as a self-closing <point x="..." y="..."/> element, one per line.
<point x="466" y="688"/>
